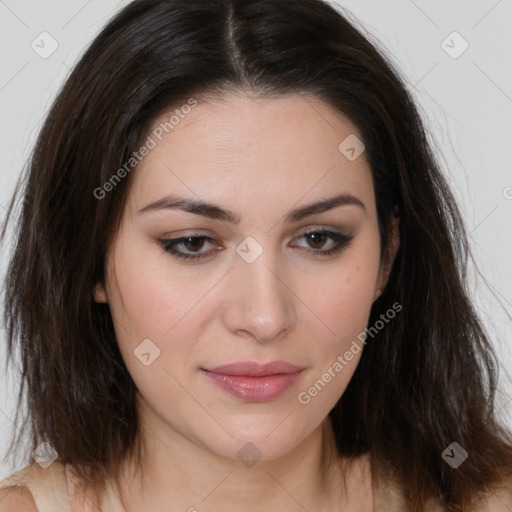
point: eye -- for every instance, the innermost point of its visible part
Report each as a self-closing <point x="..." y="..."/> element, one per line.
<point x="192" y="245"/>
<point x="317" y="240"/>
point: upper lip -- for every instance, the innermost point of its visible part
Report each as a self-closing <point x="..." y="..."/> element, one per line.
<point x="254" y="369"/>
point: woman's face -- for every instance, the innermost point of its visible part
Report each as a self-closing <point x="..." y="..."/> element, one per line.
<point x="251" y="176"/>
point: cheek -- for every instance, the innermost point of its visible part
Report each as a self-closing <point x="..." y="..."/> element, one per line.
<point x="343" y="297"/>
<point x="148" y="296"/>
<point x="352" y="294"/>
<point x="343" y="303"/>
<point x="151" y="308"/>
<point x="344" y="308"/>
<point x="148" y="302"/>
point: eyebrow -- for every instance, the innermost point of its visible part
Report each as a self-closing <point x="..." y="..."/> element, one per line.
<point x="216" y="212"/>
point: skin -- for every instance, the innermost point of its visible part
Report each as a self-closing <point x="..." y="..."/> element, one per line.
<point x="260" y="158"/>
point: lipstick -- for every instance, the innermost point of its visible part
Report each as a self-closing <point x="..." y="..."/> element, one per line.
<point x="254" y="382"/>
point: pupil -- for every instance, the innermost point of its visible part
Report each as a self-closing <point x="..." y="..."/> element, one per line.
<point x="197" y="245"/>
<point x="319" y="238"/>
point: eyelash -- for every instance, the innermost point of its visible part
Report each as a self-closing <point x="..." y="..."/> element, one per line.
<point x="342" y="241"/>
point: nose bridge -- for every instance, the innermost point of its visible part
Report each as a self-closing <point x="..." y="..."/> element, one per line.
<point x="262" y="304"/>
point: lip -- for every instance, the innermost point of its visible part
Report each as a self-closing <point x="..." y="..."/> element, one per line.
<point x="253" y="381"/>
<point x="254" y="369"/>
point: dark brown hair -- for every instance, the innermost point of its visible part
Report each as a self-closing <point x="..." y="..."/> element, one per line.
<point x="427" y="379"/>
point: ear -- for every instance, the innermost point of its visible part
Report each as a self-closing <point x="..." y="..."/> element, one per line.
<point x="100" y="293"/>
<point x="388" y="257"/>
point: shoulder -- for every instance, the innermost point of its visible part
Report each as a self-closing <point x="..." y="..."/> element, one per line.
<point x="496" y="499"/>
<point x="17" y="498"/>
<point x="387" y="492"/>
<point x="33" y="488"/>
<point x="34" y="473"/>
<point x="390" y="496"/>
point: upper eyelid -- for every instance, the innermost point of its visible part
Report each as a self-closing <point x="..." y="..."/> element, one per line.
<point x="213" y="239"/>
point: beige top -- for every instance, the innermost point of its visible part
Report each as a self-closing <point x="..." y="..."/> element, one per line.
<point x="56" y="489"/>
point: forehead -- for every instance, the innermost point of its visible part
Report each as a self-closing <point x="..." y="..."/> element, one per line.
<point x="285" y="147"/>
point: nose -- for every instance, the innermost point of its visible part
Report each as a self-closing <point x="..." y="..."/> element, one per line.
<point x="261" y="303"/>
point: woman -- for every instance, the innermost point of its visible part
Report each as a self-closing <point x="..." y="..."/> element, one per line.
<point x="239" y="280"/>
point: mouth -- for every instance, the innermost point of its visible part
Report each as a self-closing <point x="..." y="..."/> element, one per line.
<point x="254" y="382"/>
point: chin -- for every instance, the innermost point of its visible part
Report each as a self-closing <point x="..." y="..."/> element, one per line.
<point x="258" y="442"/>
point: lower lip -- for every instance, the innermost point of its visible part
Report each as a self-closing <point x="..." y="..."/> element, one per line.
<point x="254" y="389"/>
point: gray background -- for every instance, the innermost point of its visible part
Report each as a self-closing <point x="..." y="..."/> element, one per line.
<point x="466" y="102"/>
